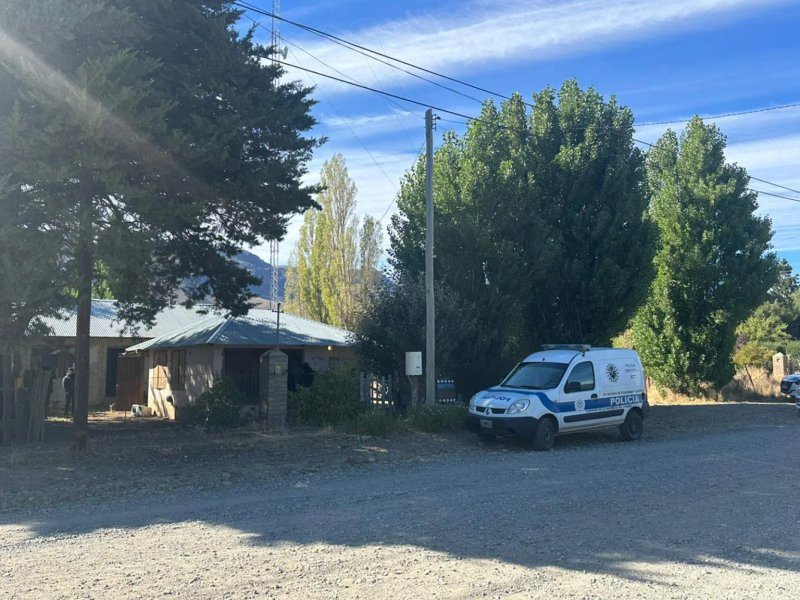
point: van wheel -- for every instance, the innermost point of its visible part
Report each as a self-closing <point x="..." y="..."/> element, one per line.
<point x="633" y="426"/>
<point x="544" y="436"/>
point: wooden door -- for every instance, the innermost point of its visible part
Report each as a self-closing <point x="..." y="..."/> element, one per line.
<point x="130" y="381"/>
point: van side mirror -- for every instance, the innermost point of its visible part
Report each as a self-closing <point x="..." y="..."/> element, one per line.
<point x="572" y="386"/>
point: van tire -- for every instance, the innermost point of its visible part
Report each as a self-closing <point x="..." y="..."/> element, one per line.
<point x="544" y="435"/>
<point x="633" y="426"/>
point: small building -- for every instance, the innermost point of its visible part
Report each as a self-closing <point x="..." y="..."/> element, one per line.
<point x="109" y="338"/>
<point x="184" y="363"/>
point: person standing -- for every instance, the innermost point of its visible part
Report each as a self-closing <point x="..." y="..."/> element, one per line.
<point x="68" y="383"/>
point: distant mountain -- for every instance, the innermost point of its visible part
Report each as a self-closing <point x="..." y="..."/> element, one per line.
<point x="263" y="270"/>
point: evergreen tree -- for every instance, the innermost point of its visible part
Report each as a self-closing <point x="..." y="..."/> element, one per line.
<point x="540" y="228"/>
<point x="33" y="284"/>
<point x="162" y="141"/>
<point x="713" y="265"/>
<point x="333" y="267"/>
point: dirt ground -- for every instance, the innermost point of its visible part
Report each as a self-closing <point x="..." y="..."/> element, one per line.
<point x="144" y="456"/>
<point x="705" y="506"/>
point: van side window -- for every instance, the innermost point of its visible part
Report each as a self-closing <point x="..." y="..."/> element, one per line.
<point x="581" y="379"/>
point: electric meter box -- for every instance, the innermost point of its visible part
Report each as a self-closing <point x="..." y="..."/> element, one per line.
<point x="413" y="363"/>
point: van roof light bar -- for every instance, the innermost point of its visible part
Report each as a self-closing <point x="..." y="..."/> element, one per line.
<point x="578" y="347"/>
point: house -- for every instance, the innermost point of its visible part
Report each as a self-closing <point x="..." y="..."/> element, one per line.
<point x="184" y="363"/>
<point x="108" y="340"/>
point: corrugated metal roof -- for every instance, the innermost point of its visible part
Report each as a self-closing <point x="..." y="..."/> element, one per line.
<point x="104" y="322"/>
<point x="255" y="329"/>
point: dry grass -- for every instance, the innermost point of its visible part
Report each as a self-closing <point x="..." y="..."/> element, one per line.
<point x="757" y="386"/>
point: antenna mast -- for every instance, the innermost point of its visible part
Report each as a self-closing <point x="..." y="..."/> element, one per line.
<point x="273" y="244"/>
<point x="276" y="34"/>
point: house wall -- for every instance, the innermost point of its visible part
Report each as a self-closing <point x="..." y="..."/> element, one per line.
<point x="205" y="363"/>
<point x="321" y="359"/>
<point x="201" y="366"/>
<point x="98" y="364"/>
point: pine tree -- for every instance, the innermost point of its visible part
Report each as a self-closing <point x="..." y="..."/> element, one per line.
<point x="713" y="265"/>
<point x="160" y="139"/>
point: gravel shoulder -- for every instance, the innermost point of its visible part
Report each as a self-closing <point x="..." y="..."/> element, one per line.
<point x="135" y="457"/>
<point x="705" y="507"/>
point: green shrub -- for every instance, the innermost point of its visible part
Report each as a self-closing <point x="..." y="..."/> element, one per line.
<point x="434" y="419"/>
<point x="373" y="422"/>
<point x="753" y="355"/>
<point x="217" y="407"/>
<point x="331" y="400"/>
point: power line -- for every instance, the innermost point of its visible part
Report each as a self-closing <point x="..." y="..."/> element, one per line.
<point x="361" y="143"/>
<point x="361" y="49"/>
<point x="478" y="120"/>
<point x="400" y="106"/>
<point x="355" y="48"/>
<point x="374" y="54"/>
<point x="381" y="92"/>
<point x="390" y="100"/>
<point x="725" y="115"/>
<point x="774" y="195"/>
<point x="783" y="187"/>
<point x="391" y="204"/>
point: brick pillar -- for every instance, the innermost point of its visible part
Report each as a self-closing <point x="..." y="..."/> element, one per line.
<point x="780" y="366"/>
<point x="273" y="388"/>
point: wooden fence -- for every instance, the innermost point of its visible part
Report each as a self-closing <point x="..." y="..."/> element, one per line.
<point x="22" y="409"/>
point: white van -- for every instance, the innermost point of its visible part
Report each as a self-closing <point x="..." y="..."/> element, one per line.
<point x="564" y="389"/>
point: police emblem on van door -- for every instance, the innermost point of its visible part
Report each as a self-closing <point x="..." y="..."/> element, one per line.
<point x="580" y="404"/>
<point x="612" y="372"/>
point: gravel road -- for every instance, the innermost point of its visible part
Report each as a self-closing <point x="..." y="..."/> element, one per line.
<point x="707" y="515"/>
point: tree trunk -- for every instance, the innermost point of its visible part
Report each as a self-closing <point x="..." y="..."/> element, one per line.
<point x="8" y="398"/>
<point x="85" y="273"/>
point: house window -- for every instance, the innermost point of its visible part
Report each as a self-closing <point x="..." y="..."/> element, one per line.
<point x="177" y="370"/>
<point x="160" y="370"/>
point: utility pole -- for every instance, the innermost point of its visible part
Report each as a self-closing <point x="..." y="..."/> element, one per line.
<point x="430" y="311"/>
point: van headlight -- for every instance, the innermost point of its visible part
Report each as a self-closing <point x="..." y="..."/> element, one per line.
<point x="518" y="407"/>
<point x="472" y="402"/>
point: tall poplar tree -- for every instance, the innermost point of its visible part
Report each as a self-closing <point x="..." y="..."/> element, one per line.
<point x="713" y="265"/>
<point x="161" y="139"/>
<point x="333" y="267"/>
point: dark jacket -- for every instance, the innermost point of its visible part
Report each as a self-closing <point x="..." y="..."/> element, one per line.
<point x="68" y="383"/>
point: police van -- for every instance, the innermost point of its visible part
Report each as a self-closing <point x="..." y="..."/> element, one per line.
<point x="790" y="386"/>
<point x="564" y="389"/>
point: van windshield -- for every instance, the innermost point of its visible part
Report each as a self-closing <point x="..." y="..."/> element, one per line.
<point x="536" y="376"/>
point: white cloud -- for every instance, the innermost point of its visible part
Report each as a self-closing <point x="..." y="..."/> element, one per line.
<point x="481" y="33"/>
<point x="371" y="125"/>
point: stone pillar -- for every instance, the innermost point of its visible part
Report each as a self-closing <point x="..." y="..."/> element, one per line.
<point x="780" y="366"/>
<point x="273" y="388"/>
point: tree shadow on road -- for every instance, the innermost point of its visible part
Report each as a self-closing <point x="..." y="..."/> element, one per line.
<point x="725" y="501"/>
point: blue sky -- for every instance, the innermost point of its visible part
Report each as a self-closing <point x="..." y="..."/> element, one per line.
<point x="665" y="60"/>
